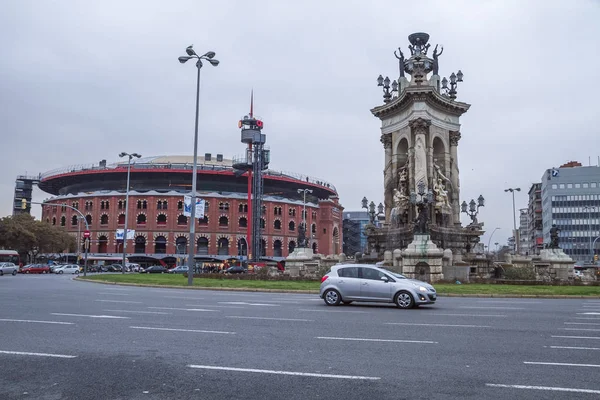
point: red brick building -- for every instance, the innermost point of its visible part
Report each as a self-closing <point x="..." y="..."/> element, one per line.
<point x="155" y="209"/>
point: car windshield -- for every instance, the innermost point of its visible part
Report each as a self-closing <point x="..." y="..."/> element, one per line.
<point x="395" y="275"/>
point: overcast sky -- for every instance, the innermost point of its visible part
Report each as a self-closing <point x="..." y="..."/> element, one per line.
<point x="81" y="81"/>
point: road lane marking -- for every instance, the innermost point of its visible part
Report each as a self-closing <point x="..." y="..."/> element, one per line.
<point x="139" y="312"/>
<point x="271" y="319"/>
<point x="582" y="329"/>
<point x="573" y="348"/>
<point x="243" y="303"/>
<point x="582" y="323"/>
<point x="561" y="364"/>
<point x="183" y="297"/>
<point x="576" y="337"/>
<point x="554" y="389"/>
<point x="472" y="315"/>
<point x="588" y="313"/>
<point x="121" y="301"/>
<point x="91" y="316"/>
<point x="26" y="353"/>
<point x="114" y="294"/>
<point x="493" y="308"/>
<point x="181" y="309"/>
<point x="444" y="325"/>
<point x="508" y="302"/>
<point x="180" y="330"/>
<point x="376" y="340"/>
<point x="211" y="306"/>
<point x="332" y="311"/>
<point x="588" y="318"/>
<point x="267" y="371"/>
<point x="36" y="322"/>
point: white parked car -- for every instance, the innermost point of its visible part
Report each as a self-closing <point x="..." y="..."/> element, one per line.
<point x="8" y="268"/>
<point x="67" y="269"/>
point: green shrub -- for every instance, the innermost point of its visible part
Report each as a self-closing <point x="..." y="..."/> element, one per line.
<point x="521" y="273"/>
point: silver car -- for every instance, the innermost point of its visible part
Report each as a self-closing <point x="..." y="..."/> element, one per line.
<point x="8" y="268"/>
<point x="346" y="283"/>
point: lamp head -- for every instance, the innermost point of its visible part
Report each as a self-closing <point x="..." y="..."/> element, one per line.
<point x="190" y="50"/>
<point x="364" y="202"/>
<point x="136" y="155"/>
<point x="459" y="76"/>
<point x="480" y="201"/>
<point x="394" y="86"/>
<point x="463" y="207"/>
<point x="445" y="83"/>
<point x="453" y="78"/>
<point x="213" y="62"/>
<point x="380" y="208"/>
<point x="210" y="54"/>
<point x="122" y="154"/>
<point x="472" y="206"/>
<point x="183" y="59"/>
<point x="386" y="82"/>
<point x="380" y="80"/>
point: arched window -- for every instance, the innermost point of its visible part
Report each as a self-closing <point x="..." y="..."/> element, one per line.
<point x="102" y="244"/>
<point x="223" y="221"/>
<point x="139" y="204"/>
<point x="160" y="245"/>
<point x="243" y="222"/>
<point x="277" y="224"/>
<point x="223" y="247"/>
<point x="292" y="212"/>
<point x="161" y="205"/>
<point x="202" y="246"/>
<point x="203" y="221"/>
<point x="161" y="219"/>
<point x="63" y="220"/>
<point x="53" y="220"/>
<point x="88" y="218"/>
<point x="313" y="228"/>
<point x="74" y="220"/>
<point x="277" y="248"/>
<point x="263" y="223"/>
<point x="181" y="245"/>
<point x="292" y="226"/>
<point x="314" y="247"/>
<point x="121" y="220"/>
<point x="144" y="205"/>
<point x="336" y="241"/>
<point x="104" y="219"/>
<point x="242" y="247"/>
<point x="141" y="219"/>
<point x="263" y="209"/>
<point x="140" y="245"/>
<point x="180" y="205"/>
<point x="243" y="208"/>
<point x="263" y="247"/>
<point x="224" y="207"/>
<point x="182" y="220"/>
<point x="291" y="247"/>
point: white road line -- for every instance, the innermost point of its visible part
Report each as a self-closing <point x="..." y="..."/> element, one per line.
<point x="573" y="348"/>
<point x="271" y="319"/>
<point x="114" y="294"/>
<point x="576" y="337"/>
<point x="588" y="313"/>
<point x="494" y="308"/>
<point x="444" y="325"/>
<point x="472" y="315"/>
<point x="332" y="311"/>
<point x="211" y="306"/>
<point x="139" y="312"/>
<point x="25" y="353"/>
<point x="36" y="322"/>
<point x="582" y="323"/>
<point x="181" y="309"/>
<point x="561" y="364"/>
<point x="183" y="297"/>
<point x="121" y="301"/>
<point x="91" y="316"/>
<point x="266" y="371"/>
<point x="508" y="302"/>
<point x="554" y="389"/>
<point x="376" y="340"/>
<point x="243" y="303"/>
<point x="180" y="330"/>
<point x="588" y="318"/>
<point x="582" y="329"/>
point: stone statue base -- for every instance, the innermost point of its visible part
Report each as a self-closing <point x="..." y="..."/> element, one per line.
<point x="297" y="260"/>
<point x="423" y="260"/>
<point x="555" y="264"/>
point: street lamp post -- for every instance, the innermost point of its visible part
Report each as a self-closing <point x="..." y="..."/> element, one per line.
<point x="492" y="235"/>
<point x="370" y="207"/>
<point x="589" y="209"/>
<point x="129" y="157"/>
<point x="304" y="207"/>
<point x="473" y="209"/>
<point x="209" y="56"/>
<point x="516" y="248"/>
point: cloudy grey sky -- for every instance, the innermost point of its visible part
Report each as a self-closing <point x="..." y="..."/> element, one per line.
<point x="82" y="81"/>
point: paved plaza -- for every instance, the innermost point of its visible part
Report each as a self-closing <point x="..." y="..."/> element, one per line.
<point x="79" y="340"/>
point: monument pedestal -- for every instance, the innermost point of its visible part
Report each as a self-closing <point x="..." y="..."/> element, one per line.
<point x="296" y="261"/>
<point x="422" y="260"/>
<point x="559" y="265"/>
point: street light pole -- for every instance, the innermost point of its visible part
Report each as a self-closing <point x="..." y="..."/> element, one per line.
<point x="516" y="248"/>
<point x="304" y="206"/>
<point x="129" y="157"/>
<point x="490" y="239"/>
<point x="589" y="210"/>
<point x="192" y="242"/>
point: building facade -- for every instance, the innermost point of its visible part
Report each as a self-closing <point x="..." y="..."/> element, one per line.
<point x="155" y="209"/>
<point x="571" y="201"/>
<point x="524" y="231"/>
<point x="355" y="239"/>
<point x="534" y="219"/>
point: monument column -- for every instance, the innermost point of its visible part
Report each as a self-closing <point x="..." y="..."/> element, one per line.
<point x="388" y="175"/>
<point x="454" y="138"/>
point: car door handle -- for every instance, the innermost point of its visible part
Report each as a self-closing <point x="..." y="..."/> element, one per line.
<point x="365" y="283"/>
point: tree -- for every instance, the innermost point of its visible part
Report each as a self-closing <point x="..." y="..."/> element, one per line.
<point x="24" y="234"/>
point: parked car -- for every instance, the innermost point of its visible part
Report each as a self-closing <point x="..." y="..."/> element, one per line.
<point x="67" y="269"/>
<point x="36" y="269"/>
<point x="368" y="283"/>
<point x="155" y="269"/>
<point x="236" y="269"/>
<point x="8" y="268"/>
<point x="181" y="269"/>
<point x="54" y="267"/>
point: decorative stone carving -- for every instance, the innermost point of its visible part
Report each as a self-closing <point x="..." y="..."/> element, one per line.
<point x="441" y="195"/>
<point x="454" y="138"/>
<point x="419" y="125"/>
<point x="386" y="139"/>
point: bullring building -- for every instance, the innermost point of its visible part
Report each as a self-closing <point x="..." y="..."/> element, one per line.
<point x="155" y="209"/>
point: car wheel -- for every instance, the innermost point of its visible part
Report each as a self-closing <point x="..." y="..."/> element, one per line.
<point x="60" y="272"/>
<point x="346" y="302"/>
<point x="27" y="271"/>
<point x="404" y="300"/>
<point x="332" y="297"/>
<point x="1" y="272"/>
<point x="14" y="272"/>
<point x="77" y="272"/>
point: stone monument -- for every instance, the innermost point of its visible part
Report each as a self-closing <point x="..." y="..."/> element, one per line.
<point x="420" y="132"/>
<point x="558" y="265"/>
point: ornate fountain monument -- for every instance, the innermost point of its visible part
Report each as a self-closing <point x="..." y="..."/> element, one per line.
<point x="420" y="131"/>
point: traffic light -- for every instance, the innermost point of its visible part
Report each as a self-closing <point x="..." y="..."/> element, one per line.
<point x="24" y="204"/>
<point x="595" y="257"/>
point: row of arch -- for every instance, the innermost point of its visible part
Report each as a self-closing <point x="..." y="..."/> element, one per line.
<point x="202" y="246"/>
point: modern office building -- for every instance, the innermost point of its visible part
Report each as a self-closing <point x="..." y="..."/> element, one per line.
<point x="534" y="219"/>
<point x="571" y="201"/>
<point x="353" y="229"/>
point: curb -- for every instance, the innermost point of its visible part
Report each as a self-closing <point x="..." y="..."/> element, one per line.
<point x="505" y="296"/>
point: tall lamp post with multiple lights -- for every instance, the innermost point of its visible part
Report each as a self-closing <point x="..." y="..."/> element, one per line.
<point x="304" y="210"/>
<point x="129" y="157"/>
<point x="192" y="243"/>
<point x="516" y="249"/>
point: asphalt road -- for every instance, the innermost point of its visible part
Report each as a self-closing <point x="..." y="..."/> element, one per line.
<point x="63" y="339"/>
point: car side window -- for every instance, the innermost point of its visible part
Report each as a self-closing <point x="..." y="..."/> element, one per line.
<point x="372" y="274"/>
<point x="348" y="272"/>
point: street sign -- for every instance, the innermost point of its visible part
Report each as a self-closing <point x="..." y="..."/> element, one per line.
<point x="86" y="234"/>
